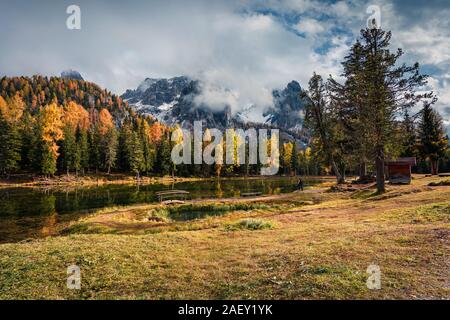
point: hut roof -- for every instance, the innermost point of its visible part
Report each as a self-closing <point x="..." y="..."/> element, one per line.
<point x="402" y="161"/>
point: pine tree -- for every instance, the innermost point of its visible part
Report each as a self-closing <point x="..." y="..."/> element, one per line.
<point x="136" y="156"/>
<point x="70" y="154"/>
<point x="48" y="160"/>
<point x="347" y="103"/>
<point x="82" y="149"/>
<point x="376" y="90"/>
<point x="109" y="147"/>
<point x="28" y="138"/>
<point x="433" y="142"/>
<point x="123" y="156"/>
<point x="319" y="120"/>
<point x="94" y="141"/>
<point x="10" y="147"/>
<point x="389" y="89"/>
<point x="408" y="130"/>
<point x="163" y="160"/>
<point x="147" y="148"/>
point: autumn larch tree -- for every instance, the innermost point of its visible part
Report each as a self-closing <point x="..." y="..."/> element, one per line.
<point x="50" y="122"/>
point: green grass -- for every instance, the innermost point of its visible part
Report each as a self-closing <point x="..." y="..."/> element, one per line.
<point x="424" y="214"/>
<point x="440" y="183"/>
<point x="314" y="251"/>
<point x="199" y="211"/>
<point x="249" y="224"/>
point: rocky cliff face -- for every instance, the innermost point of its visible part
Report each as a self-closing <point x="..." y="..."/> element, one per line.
<point x="288" y="111"/>
<point x="173" y="101"/>
<point x="71" y="74"/>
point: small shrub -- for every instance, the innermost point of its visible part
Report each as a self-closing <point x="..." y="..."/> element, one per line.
<point x="249" y="224"/>
<point x="440" y="183"/>
<point x="159" y="215"/>
<point x="199" y="211"/>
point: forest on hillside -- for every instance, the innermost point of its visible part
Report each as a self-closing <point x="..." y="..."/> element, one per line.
<point x="54" y="125"/>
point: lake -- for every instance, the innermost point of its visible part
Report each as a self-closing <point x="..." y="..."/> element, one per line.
<point x="36" y="212"/>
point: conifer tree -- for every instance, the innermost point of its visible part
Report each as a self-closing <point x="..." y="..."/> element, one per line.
<point x="433" y="141"/>
<point x="110" y="143"/>
<point x="123" y="156"/>
<point x="408" y="131"/>
<point x="82" y="149"/>
<point x="163" y="160"/>
<point x="10" y="147"/>
<point x="69" y="150"/>
<point x="319" y="120"/>
<point x="136" y="156"/>
<point x="94" y="141"/>
<point x="388" y="89"/>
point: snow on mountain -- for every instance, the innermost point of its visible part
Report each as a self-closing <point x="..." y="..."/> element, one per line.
<point x="173" y="101"/>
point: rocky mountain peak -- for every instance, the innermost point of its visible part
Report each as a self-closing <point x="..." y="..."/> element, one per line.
<point x="71" y="74"/>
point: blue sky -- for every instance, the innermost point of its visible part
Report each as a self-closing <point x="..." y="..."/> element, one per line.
<point x="247" y="46"/>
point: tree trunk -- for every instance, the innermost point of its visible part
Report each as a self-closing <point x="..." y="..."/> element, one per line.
<point x="379" y="163"/>
<point x="339" y="177"/>
<point x="434" y="167"/>
<point x="362" y="169"/>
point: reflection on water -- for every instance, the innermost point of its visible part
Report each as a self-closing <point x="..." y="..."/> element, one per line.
<point x="26" y="212"/>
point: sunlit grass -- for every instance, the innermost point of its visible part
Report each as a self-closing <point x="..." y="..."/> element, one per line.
<point x="316" y="247"/>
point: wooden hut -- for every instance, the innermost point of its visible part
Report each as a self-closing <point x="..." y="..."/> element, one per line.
<point x="399" y="171"/>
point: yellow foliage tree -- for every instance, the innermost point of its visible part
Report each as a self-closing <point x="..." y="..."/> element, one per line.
<point x="76" y="116"/>
<point x="105" y="122"/>
<point x="156" y="132"/>
<point x="51" y="124"/>
<point x="12" y="110"/>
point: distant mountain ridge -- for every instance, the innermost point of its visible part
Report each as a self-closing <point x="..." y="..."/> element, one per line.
<point x="71" y="75"/>
<point x="173" y="101"/>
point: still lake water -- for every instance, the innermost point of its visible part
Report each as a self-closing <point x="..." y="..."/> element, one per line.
<point x="34" y="212"/>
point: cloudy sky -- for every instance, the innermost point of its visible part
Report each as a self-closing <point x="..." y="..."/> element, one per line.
<point x="247" y="46"/>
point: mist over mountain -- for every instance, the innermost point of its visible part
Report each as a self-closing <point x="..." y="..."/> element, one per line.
<point x="71" y="75"/>
<point x="176" y="100"/>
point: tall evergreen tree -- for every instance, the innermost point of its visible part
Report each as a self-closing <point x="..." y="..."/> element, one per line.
<point x="319" y="120"/>
<point x="109" y="147"/>
<point x="433" y="142"/>
<point x="409" y="141"/>
<point x="94" y="141"/>
<point x="163" y="160"/>
<point x="388" y="89"/>
<point x="123" y="156"/>
<point x="136" y="156"/>
<point x="347" y="103"/>
<point x="10" y="147"/>
<point x="69" y="150"/>
<point x="82" y="149"/>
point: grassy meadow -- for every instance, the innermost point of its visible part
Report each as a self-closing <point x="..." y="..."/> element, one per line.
<point x="311" y="245"/>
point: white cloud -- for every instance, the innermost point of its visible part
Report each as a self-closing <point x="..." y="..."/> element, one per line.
<point x="225" y="44"/>
<point x="310" y="26"/>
